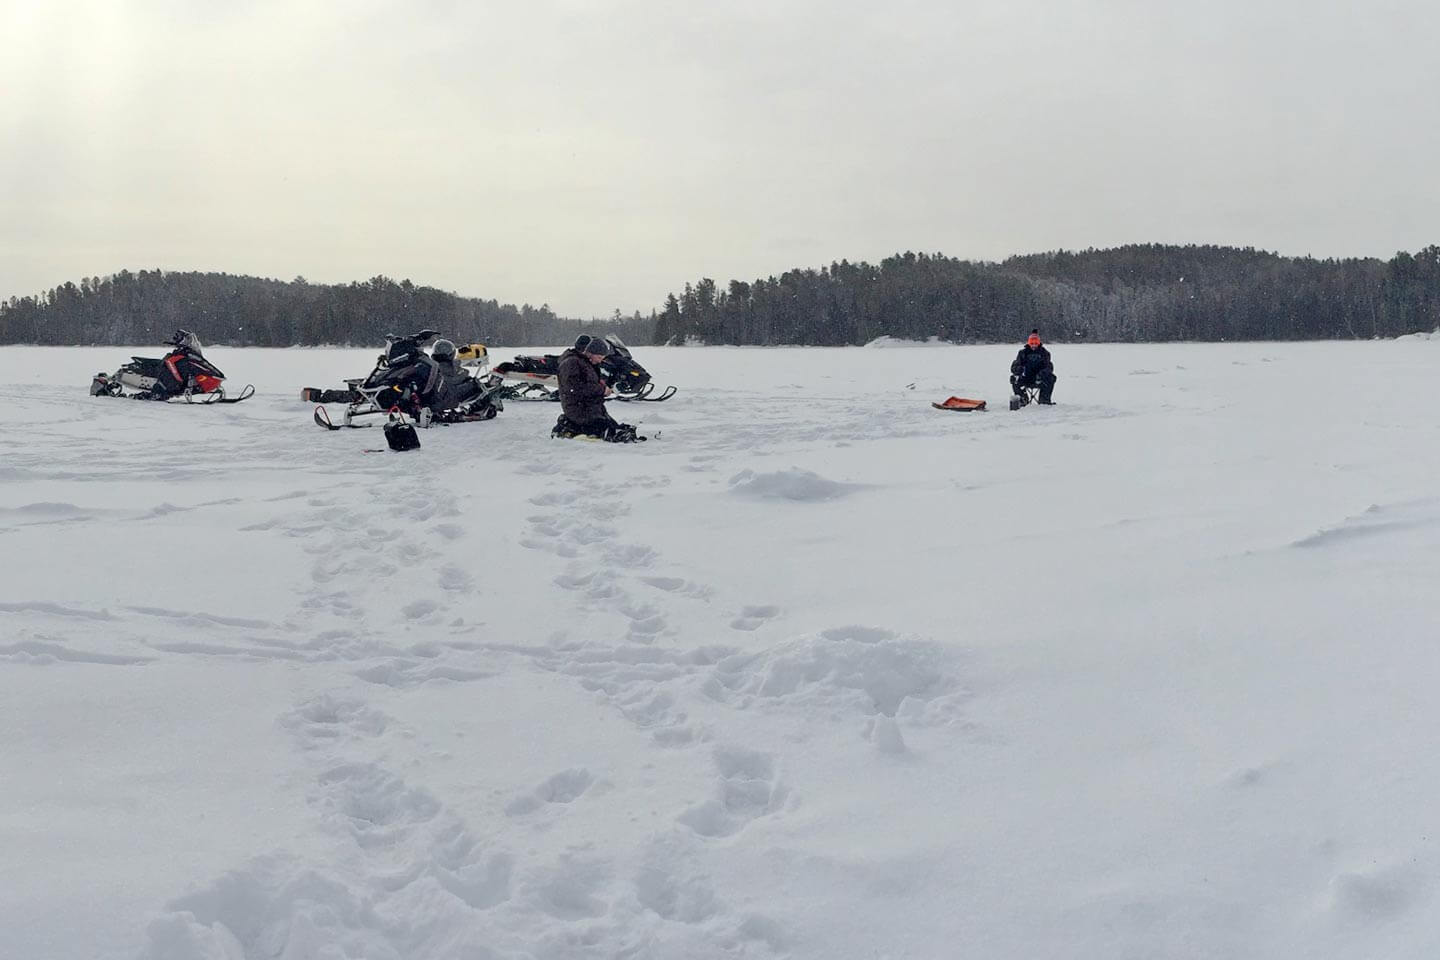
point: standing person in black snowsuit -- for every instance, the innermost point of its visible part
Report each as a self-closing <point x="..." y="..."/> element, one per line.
<point x="583" y="392"/>
<point x="1032" y="368"/>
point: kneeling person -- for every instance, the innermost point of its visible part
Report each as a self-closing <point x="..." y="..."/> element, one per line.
<point x="583" y="392"/>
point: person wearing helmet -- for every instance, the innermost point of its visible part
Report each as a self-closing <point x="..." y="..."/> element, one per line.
<point x="452" y="383"/>
<point x="1032" y="368"/>
<point x="583" y="391"/>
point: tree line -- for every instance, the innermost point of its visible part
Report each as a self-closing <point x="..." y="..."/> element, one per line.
<point x="146" y="307"/>
<point x="1143" y="292"/>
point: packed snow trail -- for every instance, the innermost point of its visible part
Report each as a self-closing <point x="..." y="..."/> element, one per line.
<point x="823" y="672"/>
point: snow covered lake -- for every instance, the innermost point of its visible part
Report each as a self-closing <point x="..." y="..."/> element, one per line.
<point x="820" y="672"/>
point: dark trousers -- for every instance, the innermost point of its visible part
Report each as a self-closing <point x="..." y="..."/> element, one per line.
<point x="589" y="428"/>
<point x="1045" y="381"/>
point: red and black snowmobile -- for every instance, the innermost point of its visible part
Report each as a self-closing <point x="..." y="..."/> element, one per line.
<point x="182" y="374"/>
<point x="537" y="377"/>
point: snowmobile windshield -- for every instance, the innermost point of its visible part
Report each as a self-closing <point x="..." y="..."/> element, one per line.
<point x="188" y="341"/>
<point x="402" y="350"/>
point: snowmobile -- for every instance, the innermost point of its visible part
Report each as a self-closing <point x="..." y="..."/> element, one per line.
<point x="448" y="384"/>
<point x="182" y="374"/>
<point x="537" y="377"/>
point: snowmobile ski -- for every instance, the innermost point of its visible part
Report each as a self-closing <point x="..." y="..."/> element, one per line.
<point x="219" y="396"/>
<point x="645" y="394"/>
<point x="322" y="419"/>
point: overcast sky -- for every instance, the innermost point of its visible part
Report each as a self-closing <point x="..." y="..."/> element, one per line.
<point x="595" y="155"/>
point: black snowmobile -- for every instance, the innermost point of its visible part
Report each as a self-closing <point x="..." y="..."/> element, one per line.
<point x="537" y="377"/>
<point x="445" y="385"/>
<point x="182" y="374"/>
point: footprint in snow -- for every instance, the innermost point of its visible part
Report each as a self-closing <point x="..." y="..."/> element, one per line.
<point x="574" y="581"/>
<point x="325" y="721"/>
<point x="679" y="587"/>
<point x="749" y="787"/>
<point x="630" y="555"/>
<point x="420" y="609"/>
<point x="666" y="885"/>
<point x="557" y="499"/>
<point x="565" y="787"/>
<point x="646" y="623"/>
<point x="570" y="890"/>
<point x="755" y="617"/>
<point x="455" y="578"/>
<point x="402" y="673"/>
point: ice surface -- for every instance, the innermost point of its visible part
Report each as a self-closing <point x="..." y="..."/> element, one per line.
<point x="820" y="672"/>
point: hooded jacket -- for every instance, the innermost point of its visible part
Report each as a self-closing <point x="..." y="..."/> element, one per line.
<point x="1032" y="363"/>
<point x="582" y="392"/>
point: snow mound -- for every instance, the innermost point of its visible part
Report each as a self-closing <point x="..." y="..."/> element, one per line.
<point x="873" y="671"/>
<point x="1432" y="335"/>
<point x="46" y="509"/>
<point x="1396" y="519"/>
<point x="883" y="343"/>
<point x="792" y="484"/>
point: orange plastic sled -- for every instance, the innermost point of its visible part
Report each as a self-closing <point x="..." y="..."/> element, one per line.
<point x="960" y="403"/>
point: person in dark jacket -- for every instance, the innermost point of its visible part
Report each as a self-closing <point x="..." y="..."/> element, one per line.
<point x="453" y="383"/>
<point x="583" y="392"/>
<point x="1032" y="368"/>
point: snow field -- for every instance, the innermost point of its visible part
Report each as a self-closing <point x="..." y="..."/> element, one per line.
<point x="819" y="672"/>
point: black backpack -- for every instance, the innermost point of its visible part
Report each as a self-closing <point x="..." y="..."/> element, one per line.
<point x="400" y="433"/>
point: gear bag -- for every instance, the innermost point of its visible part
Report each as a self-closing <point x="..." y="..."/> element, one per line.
<point x="400" y="433"/>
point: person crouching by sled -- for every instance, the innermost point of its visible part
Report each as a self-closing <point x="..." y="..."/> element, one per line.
<point x="1032" y="368"/>
<point x="583" y="392"/>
